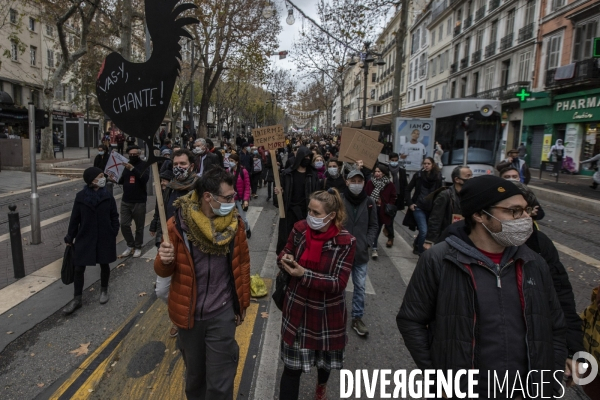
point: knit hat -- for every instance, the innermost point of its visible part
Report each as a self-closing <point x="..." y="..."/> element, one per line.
<point x="484" y="191"/>
<point x="165" y="152"/>
<point x="90" y="174"/>
<point x="167" y="174"/>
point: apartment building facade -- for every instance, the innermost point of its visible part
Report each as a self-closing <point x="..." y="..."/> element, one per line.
<point x="441" y="28"/>
<point x="566" y="95"/>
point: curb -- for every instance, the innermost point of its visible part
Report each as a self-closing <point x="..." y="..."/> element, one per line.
<point x="566" y="199"/>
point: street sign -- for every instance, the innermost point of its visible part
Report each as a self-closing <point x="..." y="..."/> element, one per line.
<point x="596" y="53"/>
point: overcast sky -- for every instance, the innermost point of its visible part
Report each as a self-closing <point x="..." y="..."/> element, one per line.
<point x="291" y="32"/>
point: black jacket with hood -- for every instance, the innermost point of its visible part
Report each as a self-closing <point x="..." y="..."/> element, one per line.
<point x="462" y="311"/>
<point x="311" y="184"/>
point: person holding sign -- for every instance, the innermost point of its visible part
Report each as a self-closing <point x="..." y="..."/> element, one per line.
<point x="412" y="154"/>
<point x="298" y="182"/>
<point x="208" y="261"/>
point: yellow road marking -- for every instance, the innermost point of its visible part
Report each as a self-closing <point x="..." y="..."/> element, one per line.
<point x="243" y="336"/>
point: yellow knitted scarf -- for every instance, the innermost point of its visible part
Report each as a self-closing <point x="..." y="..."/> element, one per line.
<point x="210" y="235"/>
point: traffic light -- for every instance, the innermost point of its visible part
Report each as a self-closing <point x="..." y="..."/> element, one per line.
<point x="42" y="119"/>
<point x="469" y="125"/>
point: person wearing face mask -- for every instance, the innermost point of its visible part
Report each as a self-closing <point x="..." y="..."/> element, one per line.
<point x="446" y="206"/>
<point x="319" y="166"/>
<point x="318" y="256"/>
<point x="484" y="300"/>
<point x="93" y="230"/>
<point x="246" y="159"/>
<point x="102" y="157"/>
<point x="512" y="160"/>
<point x="241" y="179"/>
<point x="383" y="191"/>
<point x="133" y="204"/>
<point x="204" y="158"/>
<point x="424" y="182"/>
<point x="512" y="174"/>
<point x="257" y="170"/>
<point x="208" y="261"/>
<point x="269" y="172"/>
<point x="297" y="183"/>
<point x="361" y="222"/>
<point x="333" y="176"/>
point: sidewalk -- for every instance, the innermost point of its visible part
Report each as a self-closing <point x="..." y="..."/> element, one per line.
<point x="578" y="185"/>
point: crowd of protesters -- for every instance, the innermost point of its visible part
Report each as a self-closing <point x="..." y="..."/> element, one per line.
<point x="481" y="257"/>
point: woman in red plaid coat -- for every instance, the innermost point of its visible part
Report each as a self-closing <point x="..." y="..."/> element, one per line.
<point x="318" y="255"/>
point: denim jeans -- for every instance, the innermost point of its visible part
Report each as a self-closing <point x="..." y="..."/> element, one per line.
<point x="421" y="219"/>
<point x="238" y="204"/>
<point x="359" y="280"/>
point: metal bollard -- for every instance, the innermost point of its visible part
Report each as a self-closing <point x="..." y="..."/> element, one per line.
<point x="16" y="244"/>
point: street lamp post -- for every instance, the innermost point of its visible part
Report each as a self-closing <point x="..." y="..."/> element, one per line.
<point x="87" y="109"/>
<point x="368" y="57"/>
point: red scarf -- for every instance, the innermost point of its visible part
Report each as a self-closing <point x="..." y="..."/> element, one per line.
<point x="314" y="244"/>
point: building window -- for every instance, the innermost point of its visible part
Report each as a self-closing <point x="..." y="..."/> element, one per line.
<point x="433" y="66"/>
<point x="553" y="52"/>
<point x="423" y="37"/>
<point x="49" y="30"/>
<point x="524" y="68"/>
<point x="429" y="96"/>
<point x="489" y="77"/>
<point x="409" y="96"/>
<point x="420" y="92"/>
<point x="494" y="32"/>
<point x="14" y="51"/>
<point x="584" y="39"/>
<point x="449" y="27"/>
<point x="479" y="40"/>
<point x="33" y="55"/>
<point x="510" y="21"/>
<point x="529" y="12"/>
<point x="435" y="94"/>
<point x="17" y="94"/>
<point x="373" y="77"/>
<point x="433" y="38"/>
<point x="440" y="61"/>
<point x="50" y="56"/>
<point x="423" y="66"/>
<point x="31" y="24"/>
<point x="13" y="16"/>
<point x="440" y="32"/>
<point x="410" y="72"/>
<point x="444" y="88"/>
<point x="556" y="4"/>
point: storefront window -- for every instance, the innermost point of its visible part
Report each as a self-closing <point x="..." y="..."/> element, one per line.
<point x="591" y="145"/>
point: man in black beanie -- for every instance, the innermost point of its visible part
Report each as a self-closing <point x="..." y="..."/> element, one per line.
<point x="483" y="300"/>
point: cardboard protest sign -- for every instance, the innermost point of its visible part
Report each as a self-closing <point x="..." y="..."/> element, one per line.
<point x="348" y="136"/>
<point x="114" y="166"/>
<point x="136" y="96"/>
<point x="364" y="148"/>
<point x="271" y="137"/>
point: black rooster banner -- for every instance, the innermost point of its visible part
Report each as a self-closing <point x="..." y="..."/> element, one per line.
<point x="136" y="96"/>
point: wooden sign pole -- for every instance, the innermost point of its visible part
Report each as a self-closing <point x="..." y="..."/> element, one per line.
<point x="160" y="202"/>
<point x="273" y="155"/>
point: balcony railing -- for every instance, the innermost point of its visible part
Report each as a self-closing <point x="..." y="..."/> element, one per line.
<point x="476" y="56"/>
<point x="526" y="32"/>
<point x="506" y="42"/>
<point x="453" y="68"/>
<point x="439" y="9"/>
<point x="457" y="30"/>
<point x="494" y="4"/>
<point x="490" y="50"/>
<point x="585" y="71"/>
<point x="503" y="92"/>
<point x="480" y="13"/>
<point x="468" y="21"/>
<point x="464" y="63"/>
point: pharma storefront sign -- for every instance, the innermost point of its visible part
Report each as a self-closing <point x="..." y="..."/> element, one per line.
<point x="578" y="109"/>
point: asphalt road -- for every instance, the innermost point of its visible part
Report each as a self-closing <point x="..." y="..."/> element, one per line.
<point x="38" y="362"/>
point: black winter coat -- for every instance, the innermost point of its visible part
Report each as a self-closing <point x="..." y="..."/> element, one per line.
<point x="438" y="317"/>
<point x="93" y="228"/>
<point x="444" y="205"/>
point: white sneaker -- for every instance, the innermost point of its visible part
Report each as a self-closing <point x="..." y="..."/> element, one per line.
<point x="127" y="252"/>
<point x="374" y="254"/>
<point x="137" y="253"/>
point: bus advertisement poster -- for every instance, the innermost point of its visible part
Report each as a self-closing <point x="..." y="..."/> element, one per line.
<point x="414" y="141"/>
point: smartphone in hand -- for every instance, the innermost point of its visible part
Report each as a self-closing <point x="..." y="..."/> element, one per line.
<point x="288" y="262"/>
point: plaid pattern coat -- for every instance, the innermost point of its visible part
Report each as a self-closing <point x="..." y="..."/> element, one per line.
<point x="316" y="300"/>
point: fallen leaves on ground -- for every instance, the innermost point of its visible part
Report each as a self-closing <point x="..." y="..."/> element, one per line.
<point x="32" y="354"/>
<point x="41" y="384"/>
<point x="9" y="332"/>
<point x="81" y="350"/>
<point x="142" y="294"/>
<point x="120" y="265"/>
<point x="264" y="314"/>
<point x="91" y="289"/>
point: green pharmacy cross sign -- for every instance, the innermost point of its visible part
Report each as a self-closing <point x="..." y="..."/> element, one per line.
<point x="523" y="94"/>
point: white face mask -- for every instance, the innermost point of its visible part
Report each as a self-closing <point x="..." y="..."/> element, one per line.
<point x="332" y="171"/>
<point x="356" y="188"/>
<point x="224" y="209"/>
<point x="198" y="150"/>
<point x="315" y="223"/>
<point x="319" y="164"/>
<point x="101" y="182"/>
<point x="514" y="232"/>
<point x="101" y="153"/>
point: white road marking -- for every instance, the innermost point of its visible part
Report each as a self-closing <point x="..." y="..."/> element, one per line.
<point x="400" y="254"/>
<point x="40" y="187"/>
<point x="46" y="222"/>
<point x="19" y="291"/>
<point x="252" y="215"/>
<point x="368" y="286"/>
<point x="575" y="254"/>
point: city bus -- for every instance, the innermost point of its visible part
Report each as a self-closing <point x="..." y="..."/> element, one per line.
<point x="482" y="119"/>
